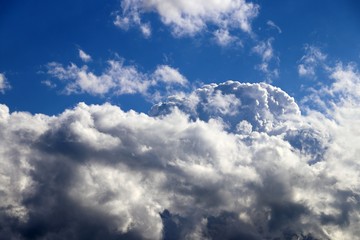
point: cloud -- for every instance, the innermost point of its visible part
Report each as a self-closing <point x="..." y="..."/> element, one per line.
<point x="223" y="37"/>
<point x="169" y="75"/>
<point x="312" y="59"/>
<point x="83" y="81"/>
<point x="346" y="82"/>
<point x="145" y="30"/>
<point x="187" y="19"/>
<point x="261" y="105"/>
<point x="4" y="85"/>
<point x="84" y="56"/>
<point x="117" y="78"/>
<point x="264" y="49"/>
<point x="339" y="102"/>
<point x="49" y="84"/>
<point x="231" y="160"/>
<point x="273" y="25"/>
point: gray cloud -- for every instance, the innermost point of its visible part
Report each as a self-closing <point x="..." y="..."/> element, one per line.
<point x="232" y="161"/>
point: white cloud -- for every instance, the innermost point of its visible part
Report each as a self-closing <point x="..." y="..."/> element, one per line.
<point x="189" y="18"/>
<point x="223" y="37"/>
<point x="49" y="83"/>
<point x="117" y="78"/>
<point x="270" y="73"/>
<point x="84" y="56"/>
<point x="170" y="75"/>
<point x="273" y="25"/>
<point x="264" y="106"/>
<point x="346" y="82"/>
<point x="133" y="19"/>
<point x="123" y="23"/>
<point x="127" y="79"/>
<point x="146" y="30"/>
<point x="80" y="79"/>
<point x="339" y="104"/>
<point x="4" y="85"/>
<point x="303" y="71"/>
<point x="232" y="160"/>
<point x="312" y="59"/>
<point x="265" y="50"/>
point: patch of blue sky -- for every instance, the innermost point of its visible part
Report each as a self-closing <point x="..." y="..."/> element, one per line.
<point x="37" y="33"/>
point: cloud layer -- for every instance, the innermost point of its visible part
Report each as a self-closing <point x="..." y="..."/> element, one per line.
<point x="234" y="160"/>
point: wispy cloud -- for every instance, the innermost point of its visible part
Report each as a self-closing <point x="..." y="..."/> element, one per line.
<point x="169" y="75"/>
<point x="265" y="50"/>
<point x="84" y="56"/>
<point x="224" y="38"/>
<point x="189" y="18"/>
<point x="260" y="104"/>
<point x="118" y="78"/>
<point x="49" y="83"/>
<point x="4" y="84"/>
<point x="273" y="25"/>
<point x="312" y="59"/>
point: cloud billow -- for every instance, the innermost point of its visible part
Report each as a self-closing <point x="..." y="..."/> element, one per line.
<point x="232" y="160"/>
<point x="262" y="107"/>
<point x="4" y="84"/>
<point x="117" y="79"/>
<point x="186" y="18"/>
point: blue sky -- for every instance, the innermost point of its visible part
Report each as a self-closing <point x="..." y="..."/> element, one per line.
<point x="180" y="119"/>
<point x="37" y="33"/>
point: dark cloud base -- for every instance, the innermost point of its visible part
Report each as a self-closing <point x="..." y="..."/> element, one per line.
<point x="228" y="161"/>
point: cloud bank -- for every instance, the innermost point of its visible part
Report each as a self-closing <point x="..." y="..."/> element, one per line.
<point x="230" y="161"/>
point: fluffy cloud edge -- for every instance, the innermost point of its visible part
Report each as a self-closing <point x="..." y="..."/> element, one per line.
<point x="117" y="79"/>
<point x="4" y="84"/>
<point x="188" y="19"/>
<point x="137" y="172"/>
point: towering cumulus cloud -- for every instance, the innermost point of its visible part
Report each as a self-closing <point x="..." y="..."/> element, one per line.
<point x="228" y="161"/>
<point x="260" y="106"/>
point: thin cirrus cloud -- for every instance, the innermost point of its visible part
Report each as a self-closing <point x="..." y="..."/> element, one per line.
<point x="269" y="61"/>
<point x="118" y="78"/>
<point x="4" y="84"/>
<point x="84" y="56"/>
<point x="186" y="18"/>
<point x="231" y="161"/>
<point x="273" y="25"/>
<point x="224" y="38"/>
<point x="312" y="59"/>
